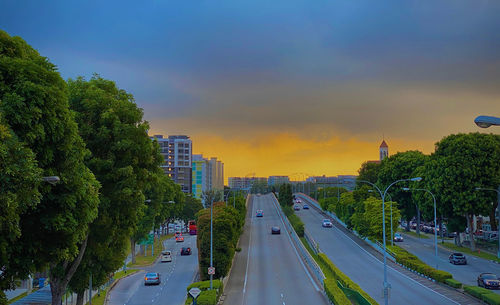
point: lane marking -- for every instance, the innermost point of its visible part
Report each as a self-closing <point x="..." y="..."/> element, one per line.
<point x="404" y="275"/>
<point x="248" y="255"/>
<point x="273" y="199"/>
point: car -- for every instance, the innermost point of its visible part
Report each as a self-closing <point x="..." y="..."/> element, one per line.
<point x="398" y="237"/>
<point x="166" y="256"/>
<point x="296" y="207"/>
<point x="327" y="223"/>
<point x="178" y="233"/>
<point x="275" y="230"/>
<point x="298" y="200"/>
<point x="305" y="207"/>
<point x="152" y="278"/>
<point x="186" y="251"/>
<point x="488" y="280"/>
<point x="259" y="213"/>
<point x="458" y="259"/>
<point x="179" y="239"/>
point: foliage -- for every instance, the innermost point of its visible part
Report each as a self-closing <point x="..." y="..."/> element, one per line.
<point x="295" y="220"/>
<point x="207" y="297"/>
<point x="285" y="194"/>
<point x="204" y="285"/>
<point x="368" y="172"/>
<point x="34" y="104"/>
<point x="19" y="177"/>
<point x="483" y="294"/>
<point x="259" y="186"/>
<point x="190" y="207"/>
<point x="453" y="283"/>
<point x="368" y="221"/>
<point x="334" y="293"/>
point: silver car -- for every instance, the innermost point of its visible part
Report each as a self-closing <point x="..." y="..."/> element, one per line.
<point x="152" y="278"/>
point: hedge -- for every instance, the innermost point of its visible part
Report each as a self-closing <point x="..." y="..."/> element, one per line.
<point x="412" y="262"/>
<point x="334" y="293"/>
<point x="207" y="297"/>
<point x="204" y="285"/>
<point x="343" y="279"/>
<point x="483" y="294"/>
<point x="453" y="283"/>
<point x="295" y="220"/>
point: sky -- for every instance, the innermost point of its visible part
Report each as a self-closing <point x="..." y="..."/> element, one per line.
<point x="283" y="87"/>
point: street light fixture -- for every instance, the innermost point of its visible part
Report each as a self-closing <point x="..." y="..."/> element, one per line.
<point x="383" y="194"/>
<point x="498" y="207"/>
<point x="51" y="179"/>
<point x="435" y="219"/>
<point x="485" y="121"/>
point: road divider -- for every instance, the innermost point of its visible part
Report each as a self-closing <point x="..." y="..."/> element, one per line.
<point x="207" y="297"/>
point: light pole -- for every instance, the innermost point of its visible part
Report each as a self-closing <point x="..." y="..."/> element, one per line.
<point x="386" y="284"/>
<point x="498" y="207"/>
<point x="392" y="234"/>
<point x="435" y="219"/>
<point x="211" y="241"/>
<point x="484" y="121"/>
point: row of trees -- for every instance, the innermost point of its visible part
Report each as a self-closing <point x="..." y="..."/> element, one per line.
<point x="460" y="164"/>
<point x="91" y="135"/>
<point x="228" y="221"/>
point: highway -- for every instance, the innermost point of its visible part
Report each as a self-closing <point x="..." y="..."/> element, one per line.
<point x="467" y="274"/>
<point x="268" y="270"/>
<point x="175" y="277"/>
<point x="366" y="268"/>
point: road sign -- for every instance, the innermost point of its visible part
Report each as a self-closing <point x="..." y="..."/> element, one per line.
<point x="194" y="292"/>
<point x="211" y="270"/>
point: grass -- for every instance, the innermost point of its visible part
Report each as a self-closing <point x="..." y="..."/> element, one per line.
<point x="99" y="299"/>
<point x="146" y="260"/>
<point x="22" y="295"/>
<point x="476" y="253"/>
<point x="414" y="234"/>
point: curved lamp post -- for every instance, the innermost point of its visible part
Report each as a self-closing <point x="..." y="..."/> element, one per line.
<point x="392" y="234"/>
<point x="485" y="121"/>
<point x="498" y="207"/>
<point x="435" y="219"/>
<point x="383" y="194"/>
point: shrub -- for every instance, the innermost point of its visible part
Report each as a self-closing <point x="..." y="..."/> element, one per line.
<point x="207" y="297"/>
<point x="295" y="220"/>
<point x="204" y="285"/>
<point x="491" y="298"/>
<point x="453" y="283"/>
<point x="334" y="293"/>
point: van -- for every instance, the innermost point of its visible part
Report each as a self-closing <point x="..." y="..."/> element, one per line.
<point x="166" y="256"/>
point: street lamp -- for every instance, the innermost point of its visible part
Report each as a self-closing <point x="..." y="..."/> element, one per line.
<point x="211" y="241"/>
<point x="386" y="284"/>
<point x="51" y="179"/>
<point x="435" y="219"/>
<point x="498" y="207"/>
<point x="392" y="234"/>
<point x="484" y="121"/>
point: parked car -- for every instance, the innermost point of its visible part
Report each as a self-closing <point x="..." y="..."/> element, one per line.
<point x="152" y="278"/>
<point x="398" y="237"/>
<point x="259" y="213"/>
<point x="275" y="230"/>
<point x="305" y="207"/>
<point x="488" y="280"/>
<point x="179" y="239"/>
<point x="296" y="207"/>
<point x="166" y="256"/>
<point x="186" y="251"/>
<point x="458" y="259"/>
<point x="327" y="223"/>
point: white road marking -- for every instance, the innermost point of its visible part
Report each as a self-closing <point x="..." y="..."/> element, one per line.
<point x="248" y="257"/>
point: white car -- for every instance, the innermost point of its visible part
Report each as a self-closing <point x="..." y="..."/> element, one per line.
<point x="327" y="223"/>
<point x="166" y="256"/>
<point x="398" y="237"/>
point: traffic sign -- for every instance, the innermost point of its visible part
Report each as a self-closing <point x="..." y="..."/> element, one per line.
<point x="211" y="270"/>
<point x="194" y="292"/>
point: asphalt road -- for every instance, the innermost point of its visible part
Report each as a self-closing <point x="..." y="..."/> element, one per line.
<point x="365" y="269"/>
<point x="268" y="270"/>
<point x="175" y="277"/>
<point x="467" y="274"/>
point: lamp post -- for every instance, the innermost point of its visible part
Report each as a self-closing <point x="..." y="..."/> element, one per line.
<point x="211" y="241"/>
<point x="383" y="194"/>
<point x="484" y="121"/>
<point x="498" y="207"/>
<point x="392" y="234"/>
<point x="435" y="219"/>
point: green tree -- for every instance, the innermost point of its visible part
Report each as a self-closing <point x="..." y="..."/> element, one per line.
<point x="124" y="160"/>
<point x="368" y="222"/>
<point x="19" y="178"/>
<point x="285" y="194"/>
<point x="34" y="104"/>
<point x="368" y="172"/>
<point x="190" y="208"/>
<point x="461" y="163"/>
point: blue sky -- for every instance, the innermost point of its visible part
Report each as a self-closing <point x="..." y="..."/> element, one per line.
<point x="340" y="71"/>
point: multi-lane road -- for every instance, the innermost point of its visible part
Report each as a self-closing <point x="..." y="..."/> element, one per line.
<point x="268" y="269"/>
<point x="175" y="277"/>
<point x="366" y="269"/>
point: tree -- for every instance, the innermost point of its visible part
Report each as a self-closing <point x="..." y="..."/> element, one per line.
<point x="368" y="172"/>
<point x="34" y="104"/>
<point x="368" y="222"/>
<point x="285" y="194"/>
<point x="189" y="209"/>
<point x="461" y="163"/>
<point x="125" y="162"/>
<point x="19" y="178"/>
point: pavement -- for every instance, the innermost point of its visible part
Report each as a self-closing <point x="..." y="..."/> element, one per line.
<point x="467" y="274"/>
<point x="268" y="269"/>
<point x="364" y="266"/>
<point x="175" y="277"/>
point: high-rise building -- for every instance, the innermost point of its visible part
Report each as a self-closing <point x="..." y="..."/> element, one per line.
<point x="215" y="174"/>
<point x="245" y="183"/>
<point x="277" y="180"/>
<point x="200" y="176"/>
<point x="177" y="155"/>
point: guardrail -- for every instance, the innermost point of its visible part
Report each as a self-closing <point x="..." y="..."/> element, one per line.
<point x="312" y="243"/>
<point x="303" y="253"/>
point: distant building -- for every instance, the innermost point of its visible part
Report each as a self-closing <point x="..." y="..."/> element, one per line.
<point x="215" y="174"/>
<point x="200" y="176"/>
<point x="345" y="181"/>
<point x="177" y="155"/>
<point x="277" y="180"/>
<point x="384" y="150"/>
<point x="244" y="183"/>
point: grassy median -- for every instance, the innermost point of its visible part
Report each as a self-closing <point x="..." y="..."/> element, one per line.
<point x="142" y="260"/>
<point x="466" y="250"/>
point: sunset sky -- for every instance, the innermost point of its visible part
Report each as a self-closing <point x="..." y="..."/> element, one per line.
<point x="283" y="87"/>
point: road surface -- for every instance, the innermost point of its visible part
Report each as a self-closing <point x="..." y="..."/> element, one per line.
<point x="268" y="270"/>
<point x="175" y="277"/>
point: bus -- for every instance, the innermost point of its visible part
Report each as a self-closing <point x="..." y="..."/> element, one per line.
<point x="192" y="227"/>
